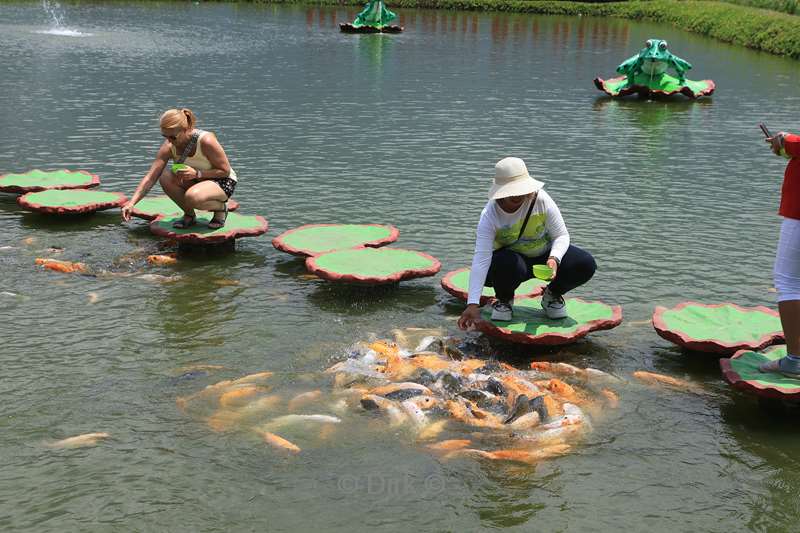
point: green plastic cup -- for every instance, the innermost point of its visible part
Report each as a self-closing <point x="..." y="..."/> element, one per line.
<point x="178" y="166"/>
<point x="542" y="272"/>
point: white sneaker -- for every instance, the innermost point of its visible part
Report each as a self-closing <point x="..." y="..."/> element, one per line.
<point x="553" y="305"/>
<point x="502" y="311"/>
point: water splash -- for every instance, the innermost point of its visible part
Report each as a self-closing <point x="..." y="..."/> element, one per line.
<point x="58" y="15"/>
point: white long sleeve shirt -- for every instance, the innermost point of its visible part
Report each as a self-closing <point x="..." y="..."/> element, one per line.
<point x="496" y="228"/>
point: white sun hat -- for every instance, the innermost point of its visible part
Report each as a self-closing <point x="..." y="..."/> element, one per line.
<point x="511" y="178"/>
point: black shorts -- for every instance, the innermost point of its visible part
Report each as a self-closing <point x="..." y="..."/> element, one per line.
<point x="226" y="184"/>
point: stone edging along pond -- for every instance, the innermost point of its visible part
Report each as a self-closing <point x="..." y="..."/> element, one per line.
<point x="769" y="31"/>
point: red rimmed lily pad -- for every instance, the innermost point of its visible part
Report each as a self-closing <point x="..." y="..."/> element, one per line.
<point x="71" y="201"/>
<point x="236" y="226"/>
<point x="742" y="372"/>
<point x="315" y="239"/>
<point x="41" y="180"/>
<point x="373" y="266"/>
<point x="530" y="325"/>
<point x="457" y="284"/>
<point x="152" y="207"/>
<point x="656" y="85"/>
<point x="718" y="328"/>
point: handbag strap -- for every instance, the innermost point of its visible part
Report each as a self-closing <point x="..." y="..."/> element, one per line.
<point x="527" y="216"/>
<point x="189" y="147"/>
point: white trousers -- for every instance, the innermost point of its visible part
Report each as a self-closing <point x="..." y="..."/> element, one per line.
<point x="787" y="261"/>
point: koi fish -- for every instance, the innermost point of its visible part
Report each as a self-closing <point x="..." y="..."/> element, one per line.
<point x="253" y="378"/>
<point x="303" y="399"/>
<point x="449" y="445"/>
<point x="79" y="441"/>
<point x="651" y="378"/>
<point x="611" y="398"/>
<point x="373" y="402"/>
<point x="562" y="369"/>
<point x="290" y="420"/>
<point x="238" y="396"/>
<point x="163" y="259"/>
<point x="401" y="391"/>
<point x="92" y="297"/>
<point x="225" y="282"/>
<point x="62" y="266"/>
<point x="431" y="431"/>
<point x="276" y="441"/>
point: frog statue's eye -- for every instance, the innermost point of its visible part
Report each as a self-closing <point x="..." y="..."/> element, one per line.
<point x="662" y="46"/>
<point x="648" y="43"/>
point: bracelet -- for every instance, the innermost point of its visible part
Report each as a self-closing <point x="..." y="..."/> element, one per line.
<point x="199" y="174"/>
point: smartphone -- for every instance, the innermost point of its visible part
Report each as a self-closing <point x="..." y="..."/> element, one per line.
<point x="765" y="130"/>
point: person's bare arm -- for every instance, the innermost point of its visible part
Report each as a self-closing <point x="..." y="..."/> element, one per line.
<point x="149" y="179"/>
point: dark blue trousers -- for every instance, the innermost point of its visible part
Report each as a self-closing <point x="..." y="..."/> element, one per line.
<point x="509" y="269"/>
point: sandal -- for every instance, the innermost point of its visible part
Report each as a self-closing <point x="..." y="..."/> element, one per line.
<point x="219" y="222"/>
<point x="185" y="222"/>
<point x="778" y="366"/>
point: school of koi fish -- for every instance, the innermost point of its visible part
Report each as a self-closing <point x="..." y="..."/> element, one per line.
<point x="487" y="409"/>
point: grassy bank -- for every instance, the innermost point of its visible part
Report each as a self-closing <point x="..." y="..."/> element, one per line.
<point x="777" y="33"/>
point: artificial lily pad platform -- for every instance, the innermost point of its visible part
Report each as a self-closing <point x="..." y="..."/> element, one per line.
<point x="70" y="201"/>
<point x="720" y="328"/>
<point x="457" y="284"/>
<point x="373" y="266"/>
<point x="656" y="85"/>
<point x="40" y="180"/>
<point x="742" y="372"/>
<point x="236" y="225"/>
<point x="153" y="206"/>
<point x="530" y="325"/>
<point x="314" y="239"/>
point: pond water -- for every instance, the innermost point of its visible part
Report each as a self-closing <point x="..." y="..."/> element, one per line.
<point x="677" y="201"/>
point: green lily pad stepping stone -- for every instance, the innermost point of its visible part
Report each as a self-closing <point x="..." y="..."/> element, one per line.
<point x="41" y="180"/>
<point x="657" y="85"/>
<point x="71" y="201"/>
<point x="530" y="325"/>
<point x="718" y="328"/>
<point x="742" y="372"/>
<point x="373" y="266"/>
<point x="457" y="284"/>
<point x="152" y="206"/>
<point x="315" y="239"/>
<point x="236" y="225"/>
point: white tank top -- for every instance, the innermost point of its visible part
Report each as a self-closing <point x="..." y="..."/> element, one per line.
<point x="199" y="161"/>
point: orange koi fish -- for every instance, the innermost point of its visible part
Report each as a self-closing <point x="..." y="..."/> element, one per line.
<point x="278" y="442"/>
<point x="449" y="445"/>
<point x="651" y="378"/>
<point x="238" y="396"/>
<point x="163" y="259"/>
<point x="62" y="266"/>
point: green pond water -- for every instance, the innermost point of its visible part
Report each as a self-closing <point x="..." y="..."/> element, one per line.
<point x="677" y="201"/>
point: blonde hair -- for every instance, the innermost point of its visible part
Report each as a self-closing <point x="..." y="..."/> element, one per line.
<point x="178" y="118"/>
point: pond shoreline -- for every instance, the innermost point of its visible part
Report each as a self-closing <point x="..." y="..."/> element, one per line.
<point x="760" y="29"/>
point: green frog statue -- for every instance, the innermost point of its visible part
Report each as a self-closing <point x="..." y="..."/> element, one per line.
<point x="646" y="74"/>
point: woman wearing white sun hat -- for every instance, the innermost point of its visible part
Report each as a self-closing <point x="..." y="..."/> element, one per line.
<point x="522" y="226"/>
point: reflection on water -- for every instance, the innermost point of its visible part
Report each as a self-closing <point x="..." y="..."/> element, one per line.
<point x="675" y="199"/>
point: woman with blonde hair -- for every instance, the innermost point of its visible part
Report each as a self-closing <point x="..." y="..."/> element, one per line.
<point x="206" y="183"/>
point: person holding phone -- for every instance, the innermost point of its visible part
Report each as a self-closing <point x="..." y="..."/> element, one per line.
<point x="519" y="227"/>
<point x="787" y="259"/>
<point x="206" y="181"/>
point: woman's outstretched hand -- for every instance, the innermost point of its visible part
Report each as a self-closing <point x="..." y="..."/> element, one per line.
<point x="470" y="317"/>
<point x="126" y="211"/>
<point x="776" y="142"/>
